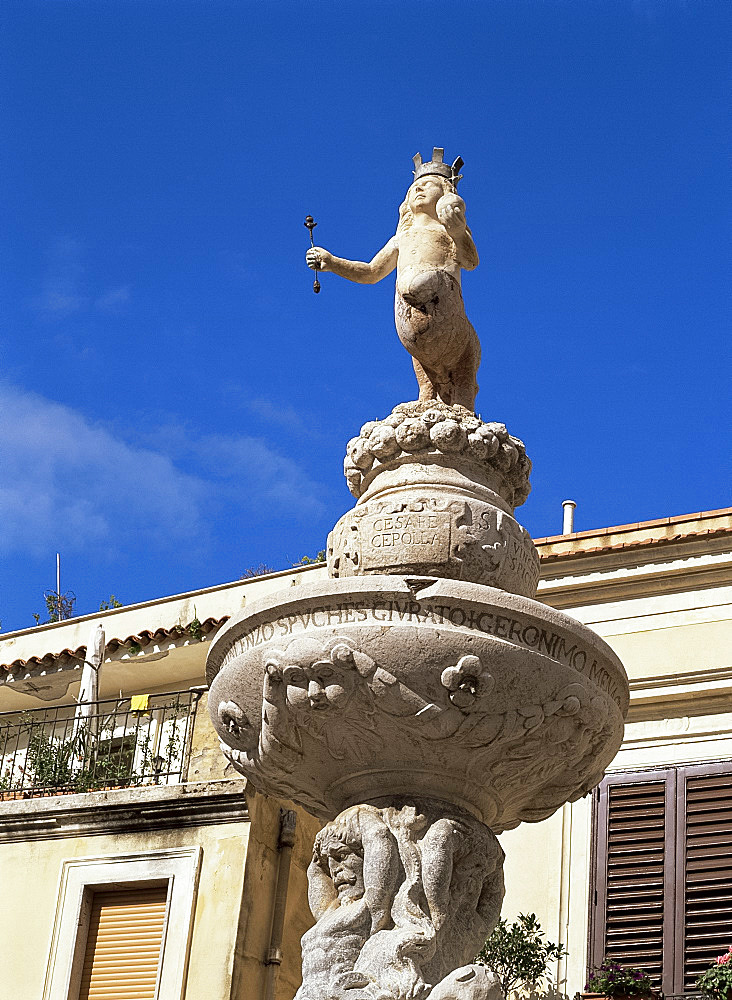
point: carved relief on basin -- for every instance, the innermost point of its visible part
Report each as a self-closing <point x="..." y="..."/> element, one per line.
<point x="350" y="690"/>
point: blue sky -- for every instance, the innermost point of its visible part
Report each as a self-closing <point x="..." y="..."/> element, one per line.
<point x="175" y="401"/>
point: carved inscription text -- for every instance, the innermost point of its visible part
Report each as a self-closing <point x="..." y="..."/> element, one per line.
<point x="405" y="538"/>
<point x="394" y="611"/>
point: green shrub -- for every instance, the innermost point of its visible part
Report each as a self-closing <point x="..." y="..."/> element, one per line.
<point x="518" y="955"/>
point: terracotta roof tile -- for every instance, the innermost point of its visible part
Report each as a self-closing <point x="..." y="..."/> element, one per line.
<point x="619" y="546"/>
<point x="638" y="525"/>
<point x="142" y="639"/>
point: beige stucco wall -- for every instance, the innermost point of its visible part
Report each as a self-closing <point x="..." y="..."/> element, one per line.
<point x="253" y="927"/>
<point x="676" y="650"/>
<point x="668" y="634"/>
<point x="233" y="908"/>
<point x="30" y="871"/>
<point x="547" y="873"/>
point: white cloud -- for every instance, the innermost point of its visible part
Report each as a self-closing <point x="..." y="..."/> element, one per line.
<point x="59" y="299"/>
<point x="68" y="482"/>
<point x="68" y="288"/>
<point x="241" y="465"/>
<point x="113" y="298"/>
<point x="62" y="292"/>
<point x="281" y="415"/>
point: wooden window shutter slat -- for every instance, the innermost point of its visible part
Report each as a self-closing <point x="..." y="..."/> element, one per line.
<point x="632" y="875"/>
<point x="707" y="868"/>
<point x="666" y="907"/>
<point x="123" y="951"/>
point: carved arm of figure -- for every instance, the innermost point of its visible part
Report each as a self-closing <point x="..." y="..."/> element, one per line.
<point x="439" y="847"/>
<point x="364" y="273"/>
<point x="451" y="213"/>
<point x="376" y="855"/>
<point x="380" y="868"/>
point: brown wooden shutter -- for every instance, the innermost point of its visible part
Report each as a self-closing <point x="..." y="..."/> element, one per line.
<point x="706" y="867"/>
<point x="631" y="909"/>
<point x="123" y="948"/>
<point x="666" y="908"/>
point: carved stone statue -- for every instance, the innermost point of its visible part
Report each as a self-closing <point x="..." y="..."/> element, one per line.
<point x="419" y="701"/>
<point x="430" y="247"/>
<point x="401" y="896"/>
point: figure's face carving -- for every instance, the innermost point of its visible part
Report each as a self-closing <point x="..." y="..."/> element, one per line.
<point x="240" y="730"/>
<point x="318" y="686"/>
<point x="424" y="194"/>
<point x="345" y="866"/>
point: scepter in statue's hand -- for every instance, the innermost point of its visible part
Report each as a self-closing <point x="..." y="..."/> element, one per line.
<point x="310" y="223"/>
<point x="431" y="246"/>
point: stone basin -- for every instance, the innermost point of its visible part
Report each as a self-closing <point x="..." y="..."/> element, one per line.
<point x="364" y="689"/>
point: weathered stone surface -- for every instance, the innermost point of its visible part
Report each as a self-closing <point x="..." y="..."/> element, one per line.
<point x="402" y="894"/>
<point x="434" y="435"/>
<point x="437" y="488"/>
<point x="431" y="246"/>
<point x="428" y="531"/>
<point x="349" y="689"/>
<point x="470" y="982"/>
<point x="426" y="712"/>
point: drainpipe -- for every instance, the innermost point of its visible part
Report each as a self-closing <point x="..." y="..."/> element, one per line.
<point x="288" y="821"/>
<point x="568" y="526"/>
<point x="565" y="900"/>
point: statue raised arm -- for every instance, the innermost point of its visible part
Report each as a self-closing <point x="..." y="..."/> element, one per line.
<point x="431" y="246"/>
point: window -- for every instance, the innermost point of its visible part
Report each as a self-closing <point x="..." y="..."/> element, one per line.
<point x="663" y="871"/>
<point x="123" y="917"/>
<point x="115" y="757"/>
<point x="124" y="943"/>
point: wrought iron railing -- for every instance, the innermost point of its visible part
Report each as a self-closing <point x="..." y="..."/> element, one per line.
<point x="115" y="743"/>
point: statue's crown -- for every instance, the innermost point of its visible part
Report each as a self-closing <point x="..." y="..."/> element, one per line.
<point x="437" y="166"/>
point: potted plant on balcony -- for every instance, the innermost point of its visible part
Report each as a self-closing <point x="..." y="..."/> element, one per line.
<point x="614" y="980"/>
<point x="716" y="982"/>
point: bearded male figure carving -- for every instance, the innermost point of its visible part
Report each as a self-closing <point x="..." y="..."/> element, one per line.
<point x="401" y="897"/>
<point x="430" y="247"/>
<point x="350" y="891"/>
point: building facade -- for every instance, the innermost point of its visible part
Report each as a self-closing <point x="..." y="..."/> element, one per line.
<point x="131" y="858"/>
<point x="133" y="861"/>
<point x="641" y="870"/>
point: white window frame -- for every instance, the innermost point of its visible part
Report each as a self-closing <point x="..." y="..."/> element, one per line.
<point x="81" y="877"/>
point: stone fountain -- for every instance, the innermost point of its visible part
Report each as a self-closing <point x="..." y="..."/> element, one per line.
<point x="420" y="701"/>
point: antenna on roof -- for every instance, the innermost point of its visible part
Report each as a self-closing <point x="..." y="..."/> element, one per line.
<point x="59" y="606"/>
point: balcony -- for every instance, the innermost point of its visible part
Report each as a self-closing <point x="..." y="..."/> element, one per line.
<point x="117" y="743"/>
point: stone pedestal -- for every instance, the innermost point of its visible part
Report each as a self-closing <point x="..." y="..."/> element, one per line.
<point x="418" y="702"/>
<point x="436" y="491"/>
